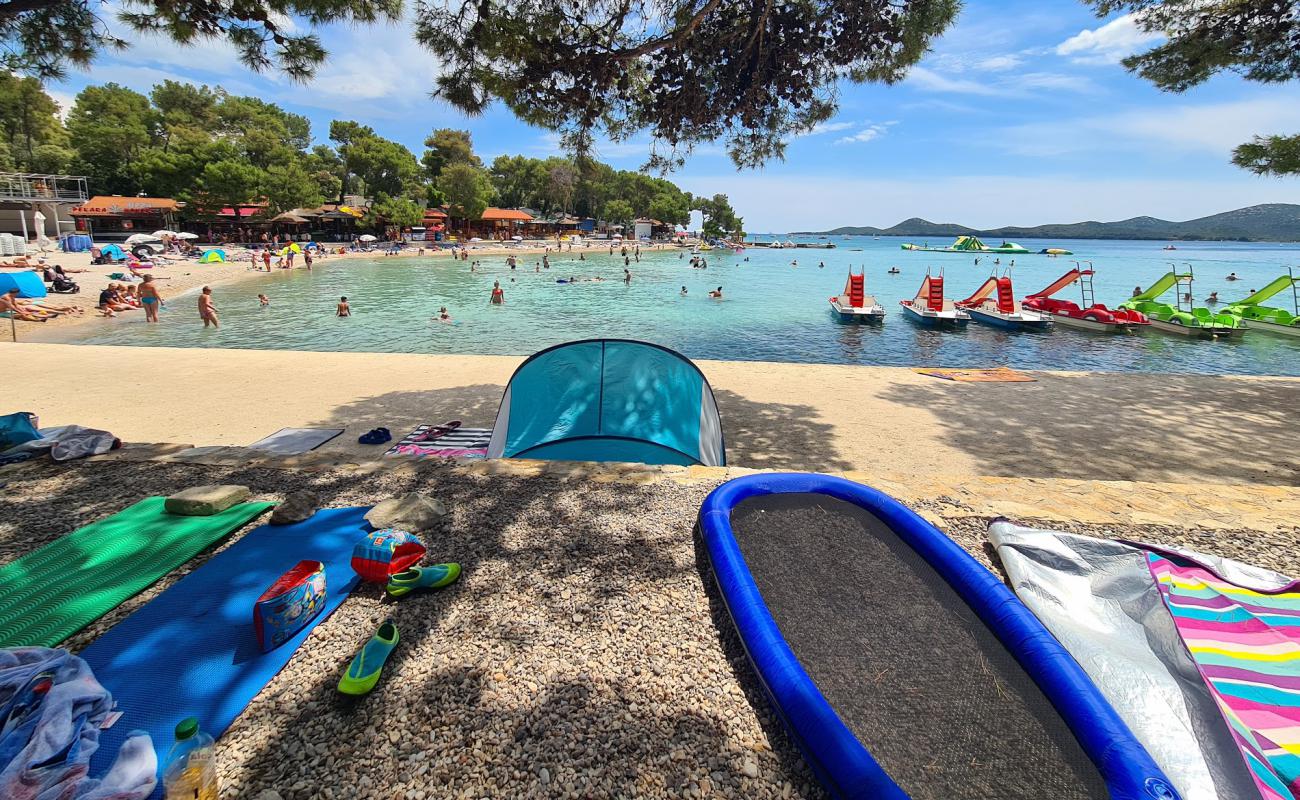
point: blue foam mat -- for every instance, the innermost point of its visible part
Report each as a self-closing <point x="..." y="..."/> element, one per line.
<point x="192" y="651"/>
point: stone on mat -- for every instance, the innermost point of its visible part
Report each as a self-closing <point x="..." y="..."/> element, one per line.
<point x="410" y="512"/>
<point x="296" y="507"/>
<point x="204" y="501"/>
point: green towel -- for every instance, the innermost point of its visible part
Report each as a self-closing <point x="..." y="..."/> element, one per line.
<point x="51" y="593"/>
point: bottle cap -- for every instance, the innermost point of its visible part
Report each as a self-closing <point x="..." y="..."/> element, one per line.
<point x="187" y="728"/>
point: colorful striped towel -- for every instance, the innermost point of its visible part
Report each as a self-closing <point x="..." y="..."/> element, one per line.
<point x="1246" y="644"/>
<point x="458" y="443"/>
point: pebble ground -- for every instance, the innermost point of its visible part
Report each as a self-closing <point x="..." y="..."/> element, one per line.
<point x="582" y="654"/>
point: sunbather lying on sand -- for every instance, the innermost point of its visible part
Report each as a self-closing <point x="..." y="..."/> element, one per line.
<point x="9" y="303"/>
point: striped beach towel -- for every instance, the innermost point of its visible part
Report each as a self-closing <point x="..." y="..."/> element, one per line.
<point x="459" y="443"/>
<point x="1246" y="644"/>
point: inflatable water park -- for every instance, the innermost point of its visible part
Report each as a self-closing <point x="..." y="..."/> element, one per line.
<point x="972" y="244"/>
<point x="1182" y="317"/>
<point x="854" y="304"/>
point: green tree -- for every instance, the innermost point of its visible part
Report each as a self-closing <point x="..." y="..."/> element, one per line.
<point x="514" y="180"/>
<point x="402" y="212"/>
<point x="227" y="183"/>
<point x="43" y="37"/>
<point x="671" y="207"/>
<point x="719" y="217"/>
<point x="448" y="146"/>
<point x="383" y="166"/>
<point x="467" y="190"/>
<point x="561" y="183"/>
<point x="110" y="126"/>
<point x="325" y="166"/>
<point x="29" y="126"/>
<point x="289" y="186"/>
<point x="184" y="104"/>
<point x="1257" y="39"/>
<point x="619" y="212"/>
<point x="685" y="71"/>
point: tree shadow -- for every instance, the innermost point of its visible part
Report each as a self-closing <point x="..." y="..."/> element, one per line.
<point x="758" y="435"/>
<point x="777" y="435"/>
<point x="1180" y="428"/>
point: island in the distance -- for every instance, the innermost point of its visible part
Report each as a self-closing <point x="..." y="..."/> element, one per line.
<point x="1271" y="222"/>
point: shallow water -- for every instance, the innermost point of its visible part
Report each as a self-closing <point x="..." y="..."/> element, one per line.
<point x="772" y="311"/>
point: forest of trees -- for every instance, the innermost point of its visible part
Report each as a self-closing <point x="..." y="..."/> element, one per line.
<point x="212" y="149"/>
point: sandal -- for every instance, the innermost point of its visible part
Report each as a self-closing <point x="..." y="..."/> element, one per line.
<point x="436" y="432"/>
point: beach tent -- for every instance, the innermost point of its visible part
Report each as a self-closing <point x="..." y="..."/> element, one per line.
<point x="214" y="256"/>
<point x="112" y="251"/>
<point x="609" y="400"/>
<point x="28" y="284"/>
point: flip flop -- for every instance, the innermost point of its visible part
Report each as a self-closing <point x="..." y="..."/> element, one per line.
<point x="363" y="672"/>
<point x="432" y="577"/>
<point x="436" y="432"/>
<point x="376" y="436"/>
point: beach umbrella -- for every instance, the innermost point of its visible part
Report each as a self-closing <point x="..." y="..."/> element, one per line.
<point x="365" y="237"/>
<point x="141" y="238"/>
<point x="187" y="235"/>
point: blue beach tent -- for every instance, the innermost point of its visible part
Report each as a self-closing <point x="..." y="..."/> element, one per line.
<point x="609" y="400"/>
<point x="28" y="284"/>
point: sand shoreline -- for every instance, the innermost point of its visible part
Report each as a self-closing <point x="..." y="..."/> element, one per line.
<point x="814" y="417"/>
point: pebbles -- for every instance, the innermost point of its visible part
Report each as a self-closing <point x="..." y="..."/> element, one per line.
<point x="577" y="656"/>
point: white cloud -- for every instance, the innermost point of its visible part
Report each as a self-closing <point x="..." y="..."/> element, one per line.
<point x="829" y="127"/>
<point x="1108" y="44"/>
<point x="64" y="100"/>
<point x="1053" y="81"/>
<point x="1211" y="129"/>
<point x="794" y="202"/>
<point x="868" y="133"/>
<point x="929" y="80"/>
<point x="998" y="63"/>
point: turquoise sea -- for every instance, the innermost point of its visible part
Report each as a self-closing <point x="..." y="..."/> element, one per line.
<point x="772" y="310"/>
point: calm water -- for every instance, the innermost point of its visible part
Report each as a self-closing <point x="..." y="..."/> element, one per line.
<point x="772" y="311"/>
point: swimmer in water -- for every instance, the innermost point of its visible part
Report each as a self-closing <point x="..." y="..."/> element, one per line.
<point x="343" y="309"/>
<point x="498" y="296"/>
<point x="443" y="316"/>
<point x="716" y="293"/>
<point x="683" y="291"/>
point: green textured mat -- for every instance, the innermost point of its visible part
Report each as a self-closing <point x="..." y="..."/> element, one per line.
<point x="52" y="593"/>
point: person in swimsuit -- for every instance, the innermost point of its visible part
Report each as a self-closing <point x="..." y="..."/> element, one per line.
<point x="207" y="311"/>
<point x="498" y="296"/>
<point x="9" y="303"/>
<point x="443" y="316"/>
<point x="343" y="309"/>
<point x="150" y="298"/>
<point x="716" y="293"/>
<point x="264" y="300"/>
<point x="266" y="258"/>
<point x="683" y="291"/>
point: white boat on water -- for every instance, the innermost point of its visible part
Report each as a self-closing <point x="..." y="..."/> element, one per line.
<point x="855" y="305"/>
<point x="931" y="309"/>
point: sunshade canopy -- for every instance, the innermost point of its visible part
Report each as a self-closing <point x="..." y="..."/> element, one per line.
<point x="609" y="400"/>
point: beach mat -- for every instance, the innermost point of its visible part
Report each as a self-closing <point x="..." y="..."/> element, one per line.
<point x="51" y="593"/>
<point x="192" y="651"/>
<point x="459" y="443"/>
<point x="998" y="375"/>
<point x="295" y="441"/>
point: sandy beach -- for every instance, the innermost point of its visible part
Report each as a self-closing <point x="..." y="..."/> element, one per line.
<point x="886" y="420"/>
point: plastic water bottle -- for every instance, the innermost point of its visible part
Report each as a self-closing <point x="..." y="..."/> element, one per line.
<point x="191" y="771"/>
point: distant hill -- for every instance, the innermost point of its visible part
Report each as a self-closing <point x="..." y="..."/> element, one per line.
<point x="1271" y="222"/>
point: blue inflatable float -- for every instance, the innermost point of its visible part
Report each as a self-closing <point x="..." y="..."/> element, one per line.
<point x="900" y="666"/>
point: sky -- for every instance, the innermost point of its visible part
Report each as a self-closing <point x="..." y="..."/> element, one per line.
<point x="1020" y="115"/>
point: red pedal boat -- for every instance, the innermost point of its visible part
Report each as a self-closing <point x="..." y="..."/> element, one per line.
<point x="1089" y="315"/>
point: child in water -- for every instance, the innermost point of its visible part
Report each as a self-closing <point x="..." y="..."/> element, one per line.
<point x="343" y="309"/>
<point x="264" y="300"/>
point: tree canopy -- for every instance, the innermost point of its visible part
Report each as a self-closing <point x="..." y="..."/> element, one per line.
<point x="1257" y="39"/>
<point x="750" y="72"/>
<point x="214" y="150"/>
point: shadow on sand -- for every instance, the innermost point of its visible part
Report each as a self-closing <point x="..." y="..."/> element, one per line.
<point x="1182" y="428"/>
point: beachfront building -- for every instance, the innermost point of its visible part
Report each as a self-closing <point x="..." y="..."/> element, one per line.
<point x="501" y="223"/>
<point x="646" y="228"/>
<point x="115" y="217"/>
<point x="35" y="205"/>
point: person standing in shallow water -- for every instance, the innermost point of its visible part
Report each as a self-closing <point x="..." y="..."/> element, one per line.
<point x="207" y="311"/>
<point x="150" y="299"/>
<point x="498" y="296"/>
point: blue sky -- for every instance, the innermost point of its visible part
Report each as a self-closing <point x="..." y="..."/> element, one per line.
<point x="1020" y="115"/>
